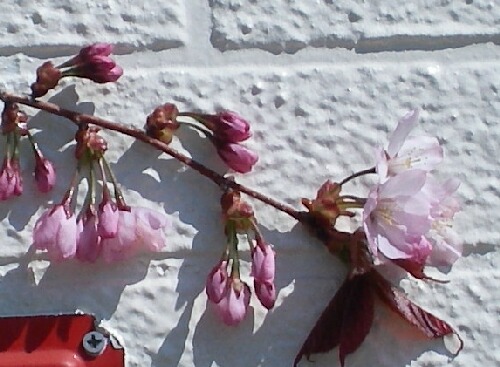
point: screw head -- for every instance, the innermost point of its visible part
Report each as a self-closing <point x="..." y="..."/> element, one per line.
<point x="94" y="343"/>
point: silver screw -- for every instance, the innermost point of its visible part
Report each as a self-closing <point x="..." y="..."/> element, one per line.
<point x="94" y="343"/>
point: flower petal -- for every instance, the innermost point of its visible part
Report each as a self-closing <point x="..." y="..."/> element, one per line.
<point x="405" y="125"/>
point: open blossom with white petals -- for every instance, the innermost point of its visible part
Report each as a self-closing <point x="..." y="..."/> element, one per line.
<point x="408" y="214"/>
<point x="447" y="245"/>
<point x="404" y="153"/>
<point x="396" y="216"/>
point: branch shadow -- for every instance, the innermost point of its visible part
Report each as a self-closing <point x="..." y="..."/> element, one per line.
<point x="172" y="182"/>
<point x="307" y="281"/>
<point x="217" y="344"/>
<point x="52" y="133"/>
<point x="193" y="203"/>
<point x="68" y="287"/>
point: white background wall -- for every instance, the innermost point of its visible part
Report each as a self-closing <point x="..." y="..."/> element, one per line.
<point x="322" y="82"/>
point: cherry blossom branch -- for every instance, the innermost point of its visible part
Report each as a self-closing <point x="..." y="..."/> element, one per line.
<point x="398" y="213"/>
<point x="79" y="118"/>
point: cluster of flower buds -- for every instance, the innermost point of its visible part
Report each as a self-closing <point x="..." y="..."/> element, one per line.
<point x="226" y="130"/>
<point x="92" y="62"/>
<point x="111" y="230"/>
<point x="14" y="126"/>
<point x="407" y="213"/>
<point x="224" y="287"/>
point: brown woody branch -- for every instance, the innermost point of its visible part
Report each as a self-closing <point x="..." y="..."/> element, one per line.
<point x="80" y="118"/>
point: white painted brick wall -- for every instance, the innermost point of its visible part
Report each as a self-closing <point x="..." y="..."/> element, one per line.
<point x="323" y="82"/>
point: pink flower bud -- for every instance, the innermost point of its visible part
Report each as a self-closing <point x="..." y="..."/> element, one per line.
<point x="138" y="229"/>
<point x="88" y="244"/>
<point x="265" y="292"/>
<point x="216" y="282"/>
<point x="45" y="175"/>
<point x="101" y="49"/>
<point x="11" y="182"/>
<point x="86" y="53"/>
<point x="100" y="69"/>
<point x="237" y="157"/>
<point x="263" y="262"/>
<point x="229" y="127"/>
<point x="108" y="215"/>
<point x="233" y="307"/>
<point x="56" y="232"/>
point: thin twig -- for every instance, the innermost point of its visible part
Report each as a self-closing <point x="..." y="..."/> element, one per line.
<point x="358" y="174"/>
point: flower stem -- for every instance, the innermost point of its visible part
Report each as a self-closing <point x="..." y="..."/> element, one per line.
<point x="221" y="181"/>
<point x="358" y="174"/>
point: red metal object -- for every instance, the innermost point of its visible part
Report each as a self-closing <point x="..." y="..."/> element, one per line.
<point x="52" y="341"/>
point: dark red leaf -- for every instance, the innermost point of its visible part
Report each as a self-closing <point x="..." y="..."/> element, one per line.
<point x="415" y="269"/>
<point x="427" y="323"/>
<point x="345" y="322"/>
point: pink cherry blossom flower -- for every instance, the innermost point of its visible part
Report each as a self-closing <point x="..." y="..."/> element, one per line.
<point x="88" y="244"/>
<point x="447" y="245"/>
<point x="233" y="307"/>
<point x="265" y="292"/>
<point x="216" y="282"/>
<point x="403" y="153"/>
<point x="45" y="174"/>
<point x="263" y="262"/>
<point x="237" y="157"/>
<point x="396" y="216"/>
<point x="139" y="229"/>
<point x="229" y="127"/>
<point x="56" y="232"/>
<point x="11" y="182"/>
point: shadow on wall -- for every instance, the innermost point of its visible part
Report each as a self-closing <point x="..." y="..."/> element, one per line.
<point x="305" y="288"/>
<point x="67" y="287"/>
<point x="39" y="287"/>
<point x="31" y="288"/>
<point x="98" y="288"/>
<point x="52" y="134"/>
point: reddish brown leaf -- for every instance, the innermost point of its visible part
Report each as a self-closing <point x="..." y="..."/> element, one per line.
<point x="415" y="269"/>
<point x="345" y="322"/>
<point x="427" y="323"/>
